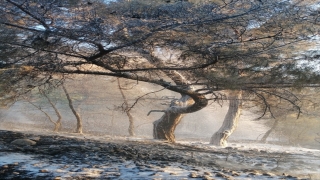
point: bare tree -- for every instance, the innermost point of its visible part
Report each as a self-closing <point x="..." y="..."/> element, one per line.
<point x="79" y="120"/>
<point x="127" y="109"/>
<point x="57" y="123"/>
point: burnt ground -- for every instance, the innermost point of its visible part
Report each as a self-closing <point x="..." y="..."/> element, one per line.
<point x="82" y="158"/>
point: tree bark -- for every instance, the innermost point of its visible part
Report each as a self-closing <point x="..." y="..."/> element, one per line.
<point x="79" y="120"/>
<point x="230" y="122"/>
<point x="266" y="135"/>
<point x="164" y="127"/>
<point x="127" y="110"/>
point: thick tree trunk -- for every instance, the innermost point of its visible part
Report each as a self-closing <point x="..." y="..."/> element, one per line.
<point x="79" y="120"/>
<point x="164" y="127"/>
<point x="266" y="135"/>
<point x="127" y="111"/>
<point x="230" y="122"/>
<point x="191" y="101"/>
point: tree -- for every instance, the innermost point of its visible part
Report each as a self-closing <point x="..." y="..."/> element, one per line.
<point x="231" y="119"/>
<point x="57" y="123"/>
<point x="206" y="46"/>
<point x="127" y="109"/>
<point x="79" y="120"/>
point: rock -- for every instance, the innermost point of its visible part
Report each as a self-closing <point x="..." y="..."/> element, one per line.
<point x="259" y="165"/>
<point x="268" y="174"/>
<point x="193" y="175"/>
<point x="233" y="173"/>
<point x="43" y="171"/>
<point x="253" y="174"/>
<point x="5" y="166"/>
<point x="206" y="177"/>
<point x="207" y="173"/>
<point x="23" y="142"/>
<point x="220" y="174"/>
<point x="57" y="178"/>
<point x="35" y="138"/>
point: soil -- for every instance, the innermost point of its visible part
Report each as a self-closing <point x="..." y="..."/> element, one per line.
<point x="60" y="157"/>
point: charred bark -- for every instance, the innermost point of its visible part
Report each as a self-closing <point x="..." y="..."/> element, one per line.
<point x="79" y="120"/>
<point x="230" y="122"/>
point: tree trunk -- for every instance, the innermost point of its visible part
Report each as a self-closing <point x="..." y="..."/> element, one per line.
<point x="266" y="135"/>
<point x="127" y="111"/>
<point x="57" y="124"/>
<point x="230" y="122"/>
<point x="79" y="121"/>
<point x="191" y="101"/>
<point x="164" y="127"/>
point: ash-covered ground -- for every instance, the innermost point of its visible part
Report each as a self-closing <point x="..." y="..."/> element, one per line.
<point x="71" y="156"/>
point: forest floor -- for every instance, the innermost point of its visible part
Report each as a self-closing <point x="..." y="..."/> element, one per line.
<point x="71" y="156"/>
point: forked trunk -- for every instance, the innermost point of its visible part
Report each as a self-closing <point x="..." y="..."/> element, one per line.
<point x="267" y="134"/>
<point x="79" y="121"/>
<point x="57" y="124"/>
<point x="230" y="122"/>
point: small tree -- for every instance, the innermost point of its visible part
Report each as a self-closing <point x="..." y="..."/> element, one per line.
<point x="79" y="120"/>
<point x="57" y="123"/>
<point x="126" y="109"/>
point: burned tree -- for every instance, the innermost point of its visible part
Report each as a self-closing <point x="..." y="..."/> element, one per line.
<point x="207" y="45"/>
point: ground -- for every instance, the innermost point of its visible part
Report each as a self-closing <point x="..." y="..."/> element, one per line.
<point x="72" y="156"/>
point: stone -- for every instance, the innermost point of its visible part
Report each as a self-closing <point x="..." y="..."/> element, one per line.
<point x="35" y="138"/>
<point x="43" y="171"/>
<point x="234" y="173"/>
<point x="268" y="174"/>
<point x="206" y="177"/>
<point x="207" y="173"/>
<point x="220" y="174"/>
<point x="193" y="175"/>
<point x="259" y="165"/>
<point x="23" y="142"/>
